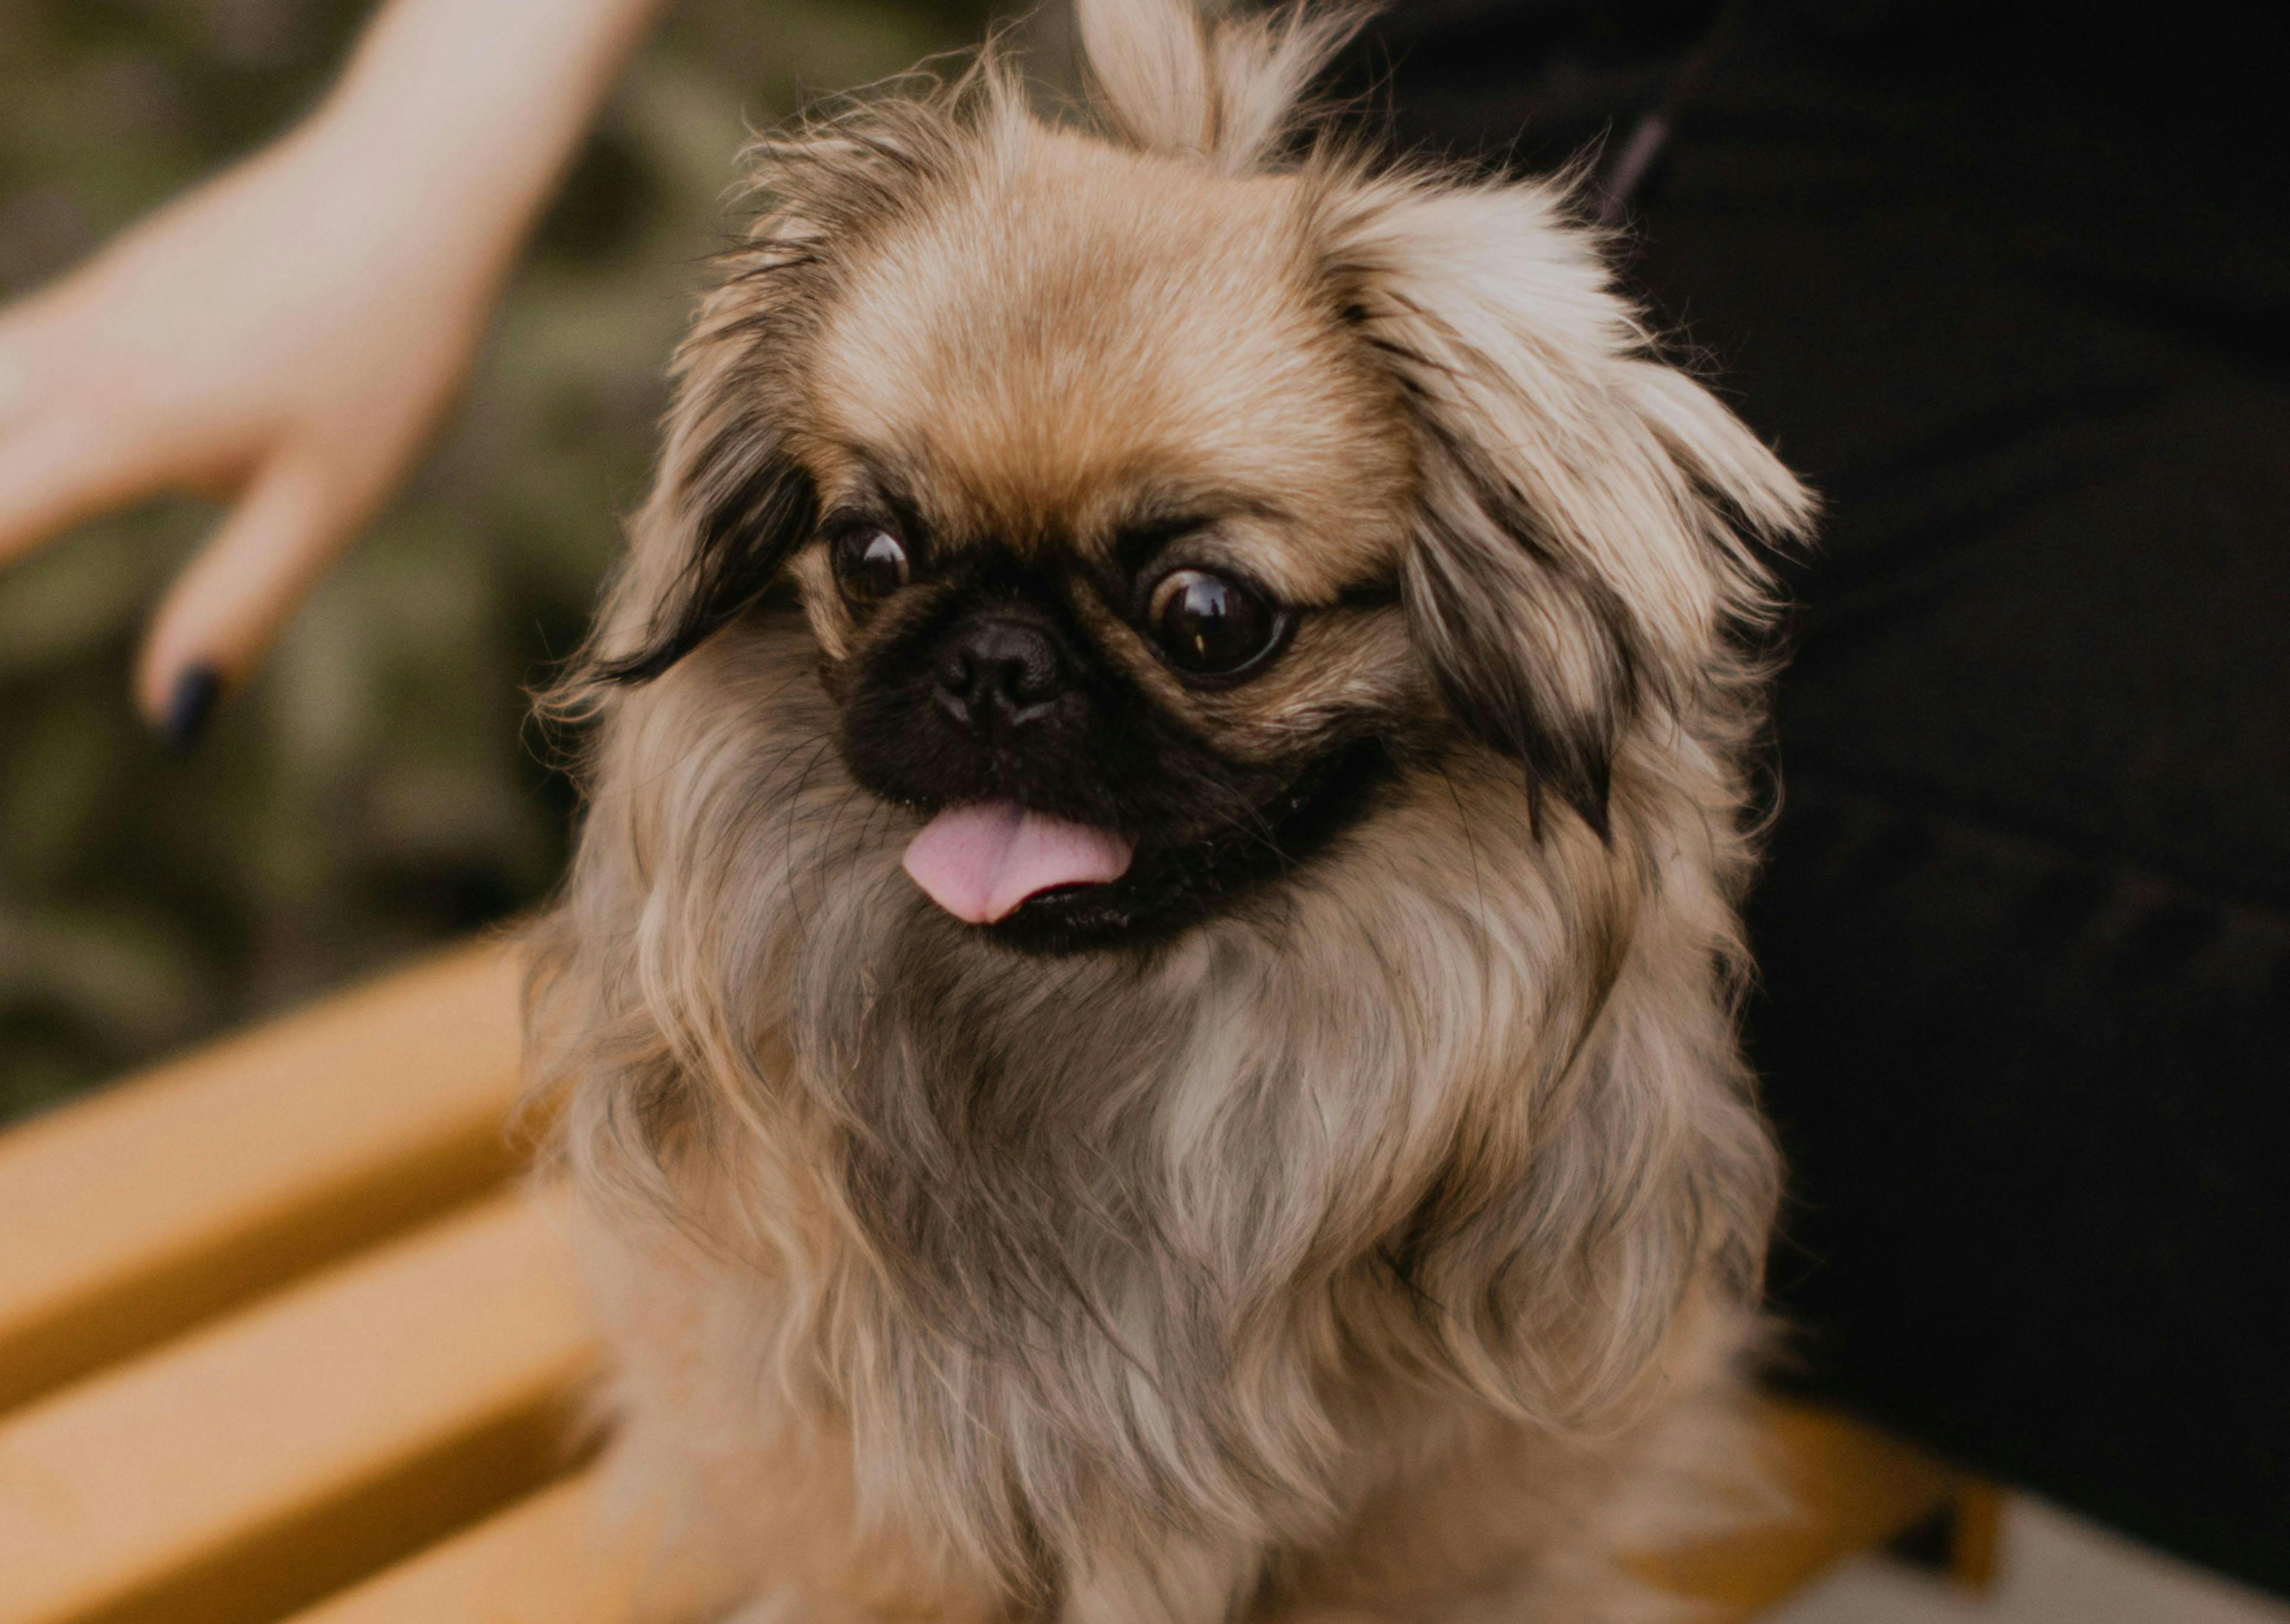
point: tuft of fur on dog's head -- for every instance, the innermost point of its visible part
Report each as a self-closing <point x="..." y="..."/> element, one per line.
<point x="1319" y="550"/>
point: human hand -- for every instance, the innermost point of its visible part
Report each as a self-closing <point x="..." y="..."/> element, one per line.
<point x="285" y="338"/>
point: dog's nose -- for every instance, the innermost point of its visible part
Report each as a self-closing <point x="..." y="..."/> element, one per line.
<point x="1000" y="671"/>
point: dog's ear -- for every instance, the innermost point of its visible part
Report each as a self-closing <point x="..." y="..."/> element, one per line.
<point x="1536" y="659"/>
<point x="722" y="522"/>
<point x="1585" y="513"/>
<point x="730" y="500"/>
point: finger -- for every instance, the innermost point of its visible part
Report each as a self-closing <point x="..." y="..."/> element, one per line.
<point x="222" y="614"/>
<point x="60" y="470"/>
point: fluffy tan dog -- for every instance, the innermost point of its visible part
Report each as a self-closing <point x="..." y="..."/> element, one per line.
<point x="1146" y="1009"/>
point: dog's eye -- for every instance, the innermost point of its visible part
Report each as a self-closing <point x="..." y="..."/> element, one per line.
<point x="1209" y="625"/>
<point x="870" y="564"/>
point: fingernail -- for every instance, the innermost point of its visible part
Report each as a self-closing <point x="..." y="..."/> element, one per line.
<point x="190" y="707"/>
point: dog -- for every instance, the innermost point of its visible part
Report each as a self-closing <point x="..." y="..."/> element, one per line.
<point x="1145" y="1013"/>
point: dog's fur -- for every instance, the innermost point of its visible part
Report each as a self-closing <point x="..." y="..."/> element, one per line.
<point x="1362" y="1212"/>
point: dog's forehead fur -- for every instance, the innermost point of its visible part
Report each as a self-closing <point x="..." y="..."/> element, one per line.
<point x="1074" y="338"/>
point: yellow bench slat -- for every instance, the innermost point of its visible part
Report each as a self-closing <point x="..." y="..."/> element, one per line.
<point x="274" y="1455"/>
<point x="167" y="1199"/>
<point x="548" y="1560"/>
<point x="1853" y="1488"/>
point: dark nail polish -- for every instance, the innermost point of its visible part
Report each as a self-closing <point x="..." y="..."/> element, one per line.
<point x="190" y="707"/>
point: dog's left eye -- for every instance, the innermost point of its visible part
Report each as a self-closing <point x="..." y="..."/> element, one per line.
<point x="870" y="564"/>
<point x="1210" y="624"/>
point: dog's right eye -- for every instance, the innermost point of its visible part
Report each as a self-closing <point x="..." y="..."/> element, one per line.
<point x="870" y="564"/>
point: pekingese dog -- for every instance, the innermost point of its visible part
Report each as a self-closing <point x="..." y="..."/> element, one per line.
<point x="1146" y="1009"/>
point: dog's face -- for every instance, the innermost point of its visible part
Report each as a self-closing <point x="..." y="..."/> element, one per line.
<point x="1105" y="574"/>
<point x="1152" y="523"/>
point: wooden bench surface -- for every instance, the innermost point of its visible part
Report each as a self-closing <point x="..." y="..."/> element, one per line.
<point x="277" y="1332"/>
<point x="162" y="1201"/>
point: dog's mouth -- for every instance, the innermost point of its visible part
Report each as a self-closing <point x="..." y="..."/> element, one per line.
<point x="984" y="861"/>
<point x="1045" y="883"/>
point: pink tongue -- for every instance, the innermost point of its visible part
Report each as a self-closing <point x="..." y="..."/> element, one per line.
<point x="979" y="863"/>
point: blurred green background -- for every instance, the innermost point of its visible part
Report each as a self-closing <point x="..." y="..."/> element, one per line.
<point x="377" y="787"/>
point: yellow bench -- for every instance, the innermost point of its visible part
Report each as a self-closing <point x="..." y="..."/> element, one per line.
<point x="280" y="1330"/>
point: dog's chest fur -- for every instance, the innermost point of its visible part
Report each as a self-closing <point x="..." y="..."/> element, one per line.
<point x="1228" y="1245"/>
